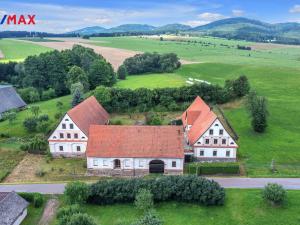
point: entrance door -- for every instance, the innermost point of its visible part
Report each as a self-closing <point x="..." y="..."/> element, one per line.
<point x="156" y="166"/>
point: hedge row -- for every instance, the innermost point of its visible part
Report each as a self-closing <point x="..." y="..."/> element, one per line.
<point x="36" y="199"/>
<point x="213" y="168"/>
<point x="190" y="188"/>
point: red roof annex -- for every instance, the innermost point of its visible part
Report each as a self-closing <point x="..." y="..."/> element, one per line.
<point x="87" y="113"/>
<point x="135" y="142"/>
<point x="200" y="117"/>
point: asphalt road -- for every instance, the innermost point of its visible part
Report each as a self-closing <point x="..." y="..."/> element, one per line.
<point x="288" y="183"/>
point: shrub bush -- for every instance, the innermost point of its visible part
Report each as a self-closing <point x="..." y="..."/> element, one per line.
<point x="274" y="193"/>
<point x="36" y="145"/>
<point x="81" y="219"/>
<point x="149" y="219"/>
<point x="36" y="199"/>
<point x="77" y="192"/>
<point x="189" y="188"/>
<point x="144" y="200"/>
<point x="30" y="124"/>
<point x="213" y="168"/>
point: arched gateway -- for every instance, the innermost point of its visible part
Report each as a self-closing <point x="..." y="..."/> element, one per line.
<point x="156" y="166"/>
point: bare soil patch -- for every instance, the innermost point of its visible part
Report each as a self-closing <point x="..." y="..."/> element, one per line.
<point x="25" y="170"/>
<point x="49" y="211"/>
<point x="115" y="56"/>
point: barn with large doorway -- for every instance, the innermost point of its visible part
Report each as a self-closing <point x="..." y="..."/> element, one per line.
<point x="135" y="150"/>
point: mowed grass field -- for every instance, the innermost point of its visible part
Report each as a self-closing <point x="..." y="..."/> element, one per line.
<point x="242" y="207"/>
<point x="14" y="50"/>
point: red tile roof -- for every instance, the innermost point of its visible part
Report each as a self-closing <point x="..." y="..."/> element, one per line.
<point x="87" y="113"/>
<point x="200" y="116"/>
<point x="135" y="142"/>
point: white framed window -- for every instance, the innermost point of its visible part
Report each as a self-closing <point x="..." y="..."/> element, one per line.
<point x="173" y="163"/>
<point x="228" y="153"/>
<point x="71" y="126"/>
<point x="201" y="153"/>
<point x="63" y="126"/>
<point x="211" y="131"/>
<point x="215" y="153"/>
<point x="78" y="148"/>
<point x="95" y="162"/>
<point x="221" y="132"/>
<point x="61" y="148"/>
<point x="127" y="163"/>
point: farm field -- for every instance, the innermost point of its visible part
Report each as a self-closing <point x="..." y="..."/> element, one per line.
<point x="14" y="50"/>
<point x="210" y="49"/>
<point x="236" y="211"/>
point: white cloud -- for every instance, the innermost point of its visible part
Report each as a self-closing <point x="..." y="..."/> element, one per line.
<point x="58" y="18"/>
<point x="195" y="23"/>
<point x="238" y="12"/>
<point x="295" y="9"/>
<point x="207" y="16"/>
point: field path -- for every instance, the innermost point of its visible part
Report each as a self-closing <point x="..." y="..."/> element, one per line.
<point x="49" y="211"/>
<point x="115" y="56"/>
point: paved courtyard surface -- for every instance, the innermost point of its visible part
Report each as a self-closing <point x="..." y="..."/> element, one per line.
<point x="288" y="183"/>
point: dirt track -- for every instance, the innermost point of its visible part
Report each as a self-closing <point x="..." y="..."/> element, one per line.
<point x="115" y="56"/>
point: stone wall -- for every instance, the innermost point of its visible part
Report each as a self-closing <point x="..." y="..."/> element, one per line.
<point x="207" y="159"/>
<point x="68" y="155"/>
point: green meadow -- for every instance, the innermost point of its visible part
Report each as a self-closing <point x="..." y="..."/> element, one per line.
<point x="241" y="207"/>
<point x="14" y="50"/>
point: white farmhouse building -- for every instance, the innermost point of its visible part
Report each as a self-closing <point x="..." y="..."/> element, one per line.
<point x="206" y="137"/>
<point x="135" y="150"/>
<point x="71" y="135"/>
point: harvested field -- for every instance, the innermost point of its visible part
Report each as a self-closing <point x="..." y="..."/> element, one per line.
<point x="115" y="56"/>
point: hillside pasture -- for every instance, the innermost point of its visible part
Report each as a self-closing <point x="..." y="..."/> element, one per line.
<point x="15" y="50"/>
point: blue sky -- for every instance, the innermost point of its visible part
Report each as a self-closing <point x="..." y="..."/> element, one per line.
<point x="61" y="16"/>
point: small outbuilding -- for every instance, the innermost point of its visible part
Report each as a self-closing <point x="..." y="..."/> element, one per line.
<point x="13" y="208"/>
<point x="10" y="99"/>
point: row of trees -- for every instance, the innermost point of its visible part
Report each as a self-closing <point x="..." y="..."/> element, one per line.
<point x="168" y="99"/>
<point x="152" y="63"/>
<point x="52" y="74"/>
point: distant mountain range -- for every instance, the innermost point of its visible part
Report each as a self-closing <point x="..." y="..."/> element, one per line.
<point x="232" y="28"/>
<point x="132" y="28"/>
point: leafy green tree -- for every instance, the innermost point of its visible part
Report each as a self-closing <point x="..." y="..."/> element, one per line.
<point x="122" y="72"/>
<point x="274" y="193"/>
<point x="76" y="192"/>
<point x="153" y="118"/>
<point x="77" y="97"/>
<point x="77" y="75"/>
<point x="101" y="73"/>
<point x="30" y="124"/>
<point x="38" y="144"/>
<point x="63" y="215"/>
<point x="10" y="116"/>
<point x="144" y="200"/>
<point x="29" y="94"/>
<point x="48" y="94"/>
<point x="35" y="110"/>
<point x="241" y="86"/>
<point x="257" y="107"/>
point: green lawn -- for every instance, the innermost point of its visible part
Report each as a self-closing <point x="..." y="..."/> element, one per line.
<point x="242" y="207"/>
<point x="152" y="81"/>
<point x="15" y="50"/>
